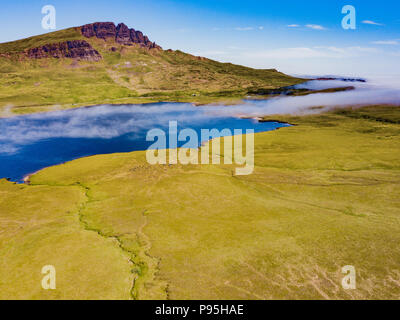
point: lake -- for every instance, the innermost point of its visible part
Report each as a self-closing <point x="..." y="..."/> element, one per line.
<point x="31" y="142"/>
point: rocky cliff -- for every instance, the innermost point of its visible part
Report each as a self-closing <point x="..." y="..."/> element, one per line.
<point x="82" y="49"/>
<point x="120" y="33"/>
<point x="76" y="49"/>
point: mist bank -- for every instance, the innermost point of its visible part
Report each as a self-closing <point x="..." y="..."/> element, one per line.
<point x="31" y="143"/>
<point x="107" y="121"/>
<point x="380" y="90"/>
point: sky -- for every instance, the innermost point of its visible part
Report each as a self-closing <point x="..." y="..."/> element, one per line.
<point x="295" y="37"/>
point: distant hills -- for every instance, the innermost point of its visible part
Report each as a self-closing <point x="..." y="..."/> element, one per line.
<point x="107" y="63"/>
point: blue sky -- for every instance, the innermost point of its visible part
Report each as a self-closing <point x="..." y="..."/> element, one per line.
<point x="296" y="37"/>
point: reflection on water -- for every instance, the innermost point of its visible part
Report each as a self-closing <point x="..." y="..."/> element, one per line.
<point x="29" y="143"/>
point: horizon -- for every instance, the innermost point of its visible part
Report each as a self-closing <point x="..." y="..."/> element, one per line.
<point x="297" y="39"/>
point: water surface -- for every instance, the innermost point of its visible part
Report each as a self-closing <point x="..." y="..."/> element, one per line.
<point x="32" y="142"/>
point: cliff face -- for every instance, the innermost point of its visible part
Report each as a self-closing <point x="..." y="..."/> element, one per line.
<point x="120" y="33"/>
<point x="76" y="49"/>
<point x="82" y="49"/>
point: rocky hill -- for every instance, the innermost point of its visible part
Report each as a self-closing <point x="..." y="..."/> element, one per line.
<point x="81" y="49"/>
<point x="107" y="63"/>
<point x="120" y="33"/>
<point x="76" y="49"/>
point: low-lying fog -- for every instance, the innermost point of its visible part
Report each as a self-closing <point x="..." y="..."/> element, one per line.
<point x="85" y="122"/>
<point x="133" y="121"/>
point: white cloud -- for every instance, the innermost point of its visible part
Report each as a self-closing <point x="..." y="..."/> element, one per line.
<point x="364" y="49"/>
<point x="184" y="30"/>
<point x="286" y="53"/>
<point x="236" y="48"/>
<point x="315" y="26"/>
<point x="293" y="26"/>
<point x="211" y="53"/>
<point x="387" y="42"/>
<point x="372" y="23"/>
<point x="347" y="52"/>
<point x="239" y="28"/>
<point x="315" y="52"/>
<point x="244" y="28"/>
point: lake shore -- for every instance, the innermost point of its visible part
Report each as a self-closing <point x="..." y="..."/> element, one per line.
<point x="323" y="195"/>
<point x="7" y="112"/>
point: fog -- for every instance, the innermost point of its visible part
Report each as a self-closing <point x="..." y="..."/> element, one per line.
<point x="108" y="122"/>
<point x="376" y="91"/>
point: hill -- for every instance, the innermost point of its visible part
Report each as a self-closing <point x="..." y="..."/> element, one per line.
<point x="324" y="194"/>
<point x="104" y="63"/>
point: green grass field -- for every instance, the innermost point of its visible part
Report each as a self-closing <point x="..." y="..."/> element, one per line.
<point x="324" y="194"/>
<point x="129" y="75"/>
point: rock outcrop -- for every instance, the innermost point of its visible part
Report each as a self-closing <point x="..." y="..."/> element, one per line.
<point x="76" y="49"/>
<point x="82" y="49"/>
<point x="120" y="33"/>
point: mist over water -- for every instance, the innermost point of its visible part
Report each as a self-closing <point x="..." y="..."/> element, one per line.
<point x="31" y="142"/>
<point x="375" y="91"/>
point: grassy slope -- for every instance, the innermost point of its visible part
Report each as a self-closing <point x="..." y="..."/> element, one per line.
<point x="324" y="194"/>
<point x="40" y="226"/>
<point x="129" y="75"/>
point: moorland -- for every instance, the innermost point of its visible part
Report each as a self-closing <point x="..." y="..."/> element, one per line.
<point x="323" y="195"/>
